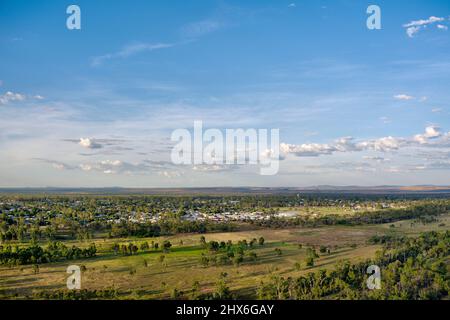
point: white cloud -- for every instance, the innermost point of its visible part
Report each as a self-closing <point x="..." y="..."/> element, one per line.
<point x="307" y="150"/>
<point x="420" y="138"/>
<point x="170" y="174"/>
<point x="414" y="27"/>
<point x="403" y="97"/>
<point x="376" y="158"/>
<point x="345" y="144"/>
<point x="436" y="110"/>
<point x="442" y="27"/>
<point x="89" y="143"/>
<point x="411" y="31"/>
<point x="214" y="167"/>
<point x="384" y="144"/>
<point x="109" y="166"/>
<point x="11" y="96"/>
<point x="431" y="132"/>
<point x="115" y="167"/>
<point x="85" y="167"/>
<point x="423" y="22"/>
<point x="59" y="166"/>
<point x="292" y="5"/>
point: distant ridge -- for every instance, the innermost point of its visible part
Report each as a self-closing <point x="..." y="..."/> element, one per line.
<point x="420" y="189"/>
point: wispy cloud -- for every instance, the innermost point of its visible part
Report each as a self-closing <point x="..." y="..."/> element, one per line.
<point x="130" y="50"/>
<point x="57" y="164"/>
<point x="376" y="158"/>
<point x="115" y="166"/>
<point x="188" y="32"/>
<point x="403" y="97"/>
<point x="201" y="28"/>
<point x="413" y="27"/>
<point x="385" y="120"/>
<point x="94" y="143"/>
<point x="11" y="96"/>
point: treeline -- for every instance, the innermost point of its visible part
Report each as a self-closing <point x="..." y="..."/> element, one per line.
<point x="423" y="212"/>
<point x="36" y="254"/>
<point x="132" y="249"/>
<point x="226" y="253"/>
<point x="33" y="233"/>
<point x="411" y="269"/>
<point x="165" y="228"/>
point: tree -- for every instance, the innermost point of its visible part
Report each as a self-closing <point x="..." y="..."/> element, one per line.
<point x="166" y="245"/>
<point x="253" y="256"/>
<point x="213" y="246"/>
<point x="144" y="246"/>
<point x="261" y="241"/>
<point x="223" y="260"/>
<point x="203" y="241"/>
<point x="195" y="289"/>
<point x="204" y="260"/>
<point x="222" y="290"/>
<point x="132" y="248"/>
<point x="237" y="260"/>
<point x="309" y="261"/>
<point x="175" y="294"/>
<point x="311" y="252"/>
<point x="115" y="248"/>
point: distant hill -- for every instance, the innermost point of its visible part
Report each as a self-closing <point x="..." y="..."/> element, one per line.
<point x="425" y="189"/>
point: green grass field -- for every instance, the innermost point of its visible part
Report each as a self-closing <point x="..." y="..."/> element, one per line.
<point x="143" y="276"/>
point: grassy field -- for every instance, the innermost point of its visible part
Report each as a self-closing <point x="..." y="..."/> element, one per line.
<point x="144" y="276"/>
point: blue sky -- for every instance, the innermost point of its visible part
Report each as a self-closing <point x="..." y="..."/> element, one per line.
<point x="96" y="106"/>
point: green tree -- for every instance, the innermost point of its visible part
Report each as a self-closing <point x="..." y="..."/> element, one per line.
<point x="261" y="241"/>
<point x="166" y="245"/>
<point x="309" y="261"/>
